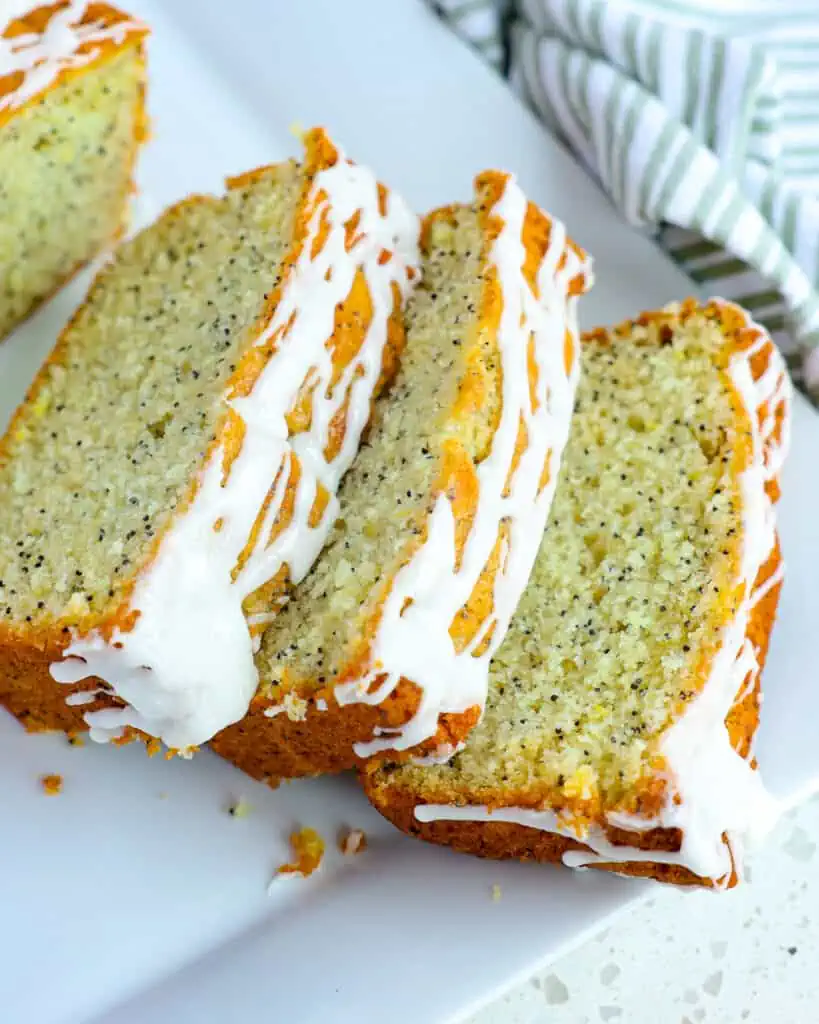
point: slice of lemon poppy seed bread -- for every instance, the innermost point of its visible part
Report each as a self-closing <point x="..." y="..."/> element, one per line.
<point x="623" y="704"/>
<point x="174" y="466"/>
<point x="72" y="79"/>
<point x="385" y="644"/>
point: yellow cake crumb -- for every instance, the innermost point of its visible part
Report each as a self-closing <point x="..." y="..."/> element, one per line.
<point x="496" y="893"/>
<point x="52" y="784"/>
<point x="308" y="848"/>
<point x="352" y="841"/>
<point x="186" y="753"/>
<point x="294" y="707"/>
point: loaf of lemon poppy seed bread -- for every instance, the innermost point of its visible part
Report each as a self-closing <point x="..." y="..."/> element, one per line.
<point x="623" y="704"/>
<point x="72" y="79"/>
<point x="385" y="645"/>
<point x="174" y="466"/>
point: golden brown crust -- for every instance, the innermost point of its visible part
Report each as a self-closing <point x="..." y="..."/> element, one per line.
<point x="31" y="695"/>
<point x="509" y="841"/>
<point x="496" y="840"/>
<point x="270" y="749"/>
<point x="27" y="650"/>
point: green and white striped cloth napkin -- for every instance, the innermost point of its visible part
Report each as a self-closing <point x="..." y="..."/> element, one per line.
<point x="700" y="118"/>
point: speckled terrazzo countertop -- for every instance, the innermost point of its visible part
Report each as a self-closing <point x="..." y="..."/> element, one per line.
<point x="750" y="955"/>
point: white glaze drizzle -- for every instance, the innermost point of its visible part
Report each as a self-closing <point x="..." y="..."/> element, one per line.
<point x="42" y="56"/>
<point x="186" y="669"/>
<point x="413" y="640"/>
<point x="714" y="791"/>
<point x="86" y="696"/>
<point x="772" y="581"/>
<point x="546" y="821"/>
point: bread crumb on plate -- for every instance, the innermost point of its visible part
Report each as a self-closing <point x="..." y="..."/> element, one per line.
<point x="52" y="784"/>
<point x="352" y="841"/>
<point x="308" y="850"/>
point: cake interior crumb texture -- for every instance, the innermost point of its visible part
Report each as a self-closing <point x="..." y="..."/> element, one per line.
<point x="630" y="588"/>
<point x="66" y="162"/>
<point x="93" y="467"/>
<point x="389" y="491"/>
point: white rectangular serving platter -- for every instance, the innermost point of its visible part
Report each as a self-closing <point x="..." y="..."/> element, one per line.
<point x="134" y="896"/>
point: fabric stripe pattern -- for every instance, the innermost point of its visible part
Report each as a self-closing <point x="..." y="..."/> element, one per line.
<point x="700" y="119"/>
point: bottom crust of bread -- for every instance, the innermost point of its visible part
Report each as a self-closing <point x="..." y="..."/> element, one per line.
<point x="273" y="748"/>
<point x="266" y="748"/>
<point x="29" y="693"/>
<point x="507" y="841"/>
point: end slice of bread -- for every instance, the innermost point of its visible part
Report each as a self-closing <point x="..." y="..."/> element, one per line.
<point x="623" y="704"/>
<point x="385" y="645"/>
<point x="174" y="467"/>
<point x="72" y="116"/>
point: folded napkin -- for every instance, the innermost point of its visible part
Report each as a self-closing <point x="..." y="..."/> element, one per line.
<point x="700" y="118"/>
